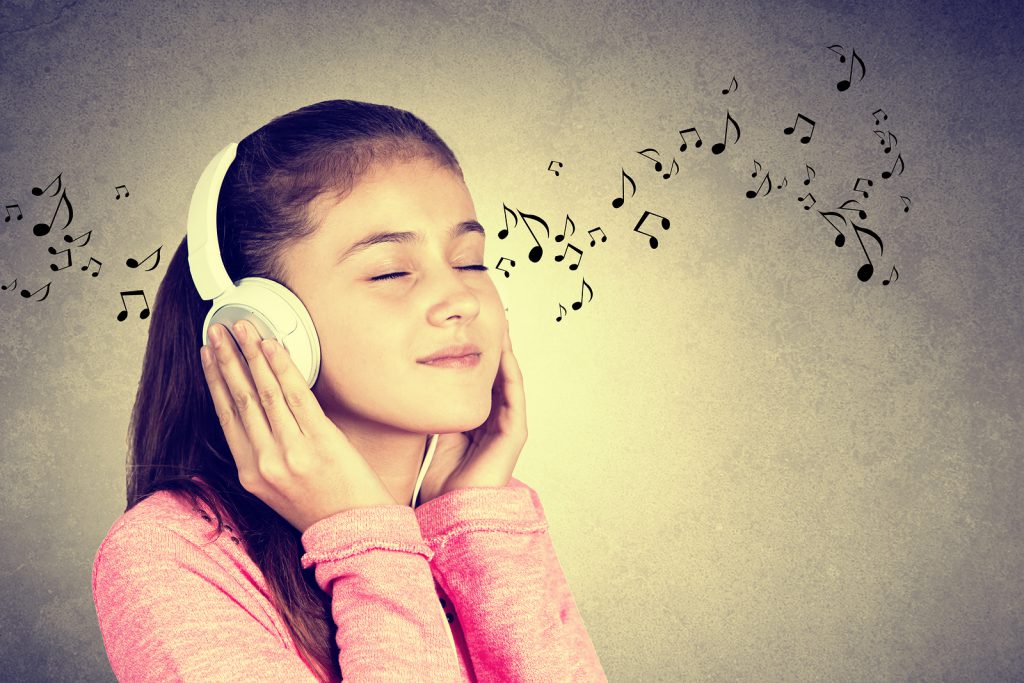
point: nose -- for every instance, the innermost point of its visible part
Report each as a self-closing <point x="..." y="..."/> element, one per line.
<point x="452" y="296"/>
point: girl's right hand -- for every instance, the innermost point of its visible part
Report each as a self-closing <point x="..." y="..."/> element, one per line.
<point x="289" y="454"/>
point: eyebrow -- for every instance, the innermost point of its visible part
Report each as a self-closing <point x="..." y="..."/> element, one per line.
<point x="387" y="237"/>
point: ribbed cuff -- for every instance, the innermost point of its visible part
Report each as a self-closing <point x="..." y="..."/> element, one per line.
<point x="346" y="533"/>
<point x="488" y="508"/>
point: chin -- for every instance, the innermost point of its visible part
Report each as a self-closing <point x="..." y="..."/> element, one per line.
<point x="462" y="420"/>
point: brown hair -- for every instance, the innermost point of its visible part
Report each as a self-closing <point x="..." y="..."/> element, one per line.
<point x="174" y="432"/>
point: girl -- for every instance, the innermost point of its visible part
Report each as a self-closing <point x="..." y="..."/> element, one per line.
<point x="372" y="523"/>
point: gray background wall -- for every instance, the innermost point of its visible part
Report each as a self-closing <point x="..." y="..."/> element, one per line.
<point x="755" y="466"/>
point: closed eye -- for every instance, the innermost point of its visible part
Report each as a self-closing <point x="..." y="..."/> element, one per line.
<point x="395" y="276"/>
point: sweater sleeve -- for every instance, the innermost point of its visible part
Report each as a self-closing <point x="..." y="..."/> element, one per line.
<point x="169" y="611"/>
<point x="495" y="559"/>
<point x="375" y="564"/>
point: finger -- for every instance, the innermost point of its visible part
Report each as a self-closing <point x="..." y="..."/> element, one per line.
<point x="508" y="359"/>
<point x="509" y="385"/>
<point x="244" y="398"/>
<point x="224" y="405"/>
<point x="283" y="425"/>
<point x="300" y="410"/>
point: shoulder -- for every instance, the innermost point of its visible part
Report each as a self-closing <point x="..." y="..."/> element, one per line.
<point x="534" y="496"/>
<point x="165" y="586"/>
<point x="155" y="532"/>
<point x="516" y="483"/>
<point x="169" y="510"/>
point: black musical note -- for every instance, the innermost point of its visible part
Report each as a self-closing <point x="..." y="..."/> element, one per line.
<point x="719" y="147"/>
<point x="86" y="235"/>
<point x="43" y="229"/>
<point x="894" y="272"/>
<point x="604" y="237"/>
<point x="808" y="206"/>
<point x="861" y="213"/>
<point x="844" y="84"/>
<point x="37" y="192"/>
<point x="865" y="272"/>
<point x="767" y="179"/>
<point x="885" y="117"/>
<point x="560" y="257"/>
<point x="577" y="305"/>
<point x="619" y="201"/>
<point x="682" y="134"/>
<point x="537" y="251"/>
<point x="123" y="315"/>
<point x="674" y="168"/>
<point x="25" y="293"/>
<point x="568" y="223"/>
<point x="91" y="261"/>
<point x="498" y="267"/>
<point x="782" y="184"/>
<point x="554" y="170"/>
<point x="664" y="225"/>
<point x="882" y="136"/>
<point x="788" y="130"/>
<point x="840" y="238"/>
<point x="892" y="141"/>
<point x="657" y="163"/>
<point x="842" y="57"/>
<point x="6" y="287"/>
<point x="899" y="161"/>
<point x="503" y="233"/>
<point x="906" y="200"/>
<point x="732" y="85"/>
<point x="561" y="312"/>
<point x="757" y="167"/>
<point x="118" y="189"/>
<point x="53" y="266"/>
<point x="7" y="218"/>
<point x="856" y="186"/>
<point x="810" y="175"/>
<point x="132" y="263"/>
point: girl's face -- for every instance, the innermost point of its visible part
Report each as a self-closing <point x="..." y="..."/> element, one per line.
<point x="373" y="331"/>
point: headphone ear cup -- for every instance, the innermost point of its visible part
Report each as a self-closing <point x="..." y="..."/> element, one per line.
<point x="277" y="314"/>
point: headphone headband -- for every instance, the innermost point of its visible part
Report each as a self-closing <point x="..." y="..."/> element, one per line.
<point x="204" y="261"/>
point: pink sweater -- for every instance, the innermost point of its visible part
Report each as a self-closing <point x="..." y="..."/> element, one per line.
<point x="465" y="587"/>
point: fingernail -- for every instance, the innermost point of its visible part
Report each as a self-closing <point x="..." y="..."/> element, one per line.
<point x="215" y="337"/>
<point x="239" y="329"/>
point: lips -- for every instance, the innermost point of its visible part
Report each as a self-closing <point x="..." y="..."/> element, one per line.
<point x="450" y="352"/>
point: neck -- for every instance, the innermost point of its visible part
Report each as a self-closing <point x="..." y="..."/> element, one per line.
<point x="396" y="456"/>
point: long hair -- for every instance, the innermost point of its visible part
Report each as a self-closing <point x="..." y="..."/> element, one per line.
<point x="174" y="432"/>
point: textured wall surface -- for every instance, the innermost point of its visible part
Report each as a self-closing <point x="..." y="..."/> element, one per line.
<point x="756" y="466"/>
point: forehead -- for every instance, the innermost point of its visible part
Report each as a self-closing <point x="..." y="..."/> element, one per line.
<point x="400" y="195"/>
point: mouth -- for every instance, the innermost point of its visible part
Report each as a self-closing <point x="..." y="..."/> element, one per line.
<point x="451" y="352"/>
<point x="469" y="360"/>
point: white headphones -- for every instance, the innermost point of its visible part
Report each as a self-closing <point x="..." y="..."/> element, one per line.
<point x="269" y="306"/>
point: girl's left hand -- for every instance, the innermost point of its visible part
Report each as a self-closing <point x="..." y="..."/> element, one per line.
<point x="487" y="455"/>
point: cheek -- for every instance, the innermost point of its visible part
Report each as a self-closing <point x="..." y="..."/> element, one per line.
<point x="494" y="310"/>
<point x="490" y="300"/>
<point x="348" y="341"/>
<point x="368" y="376"/>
